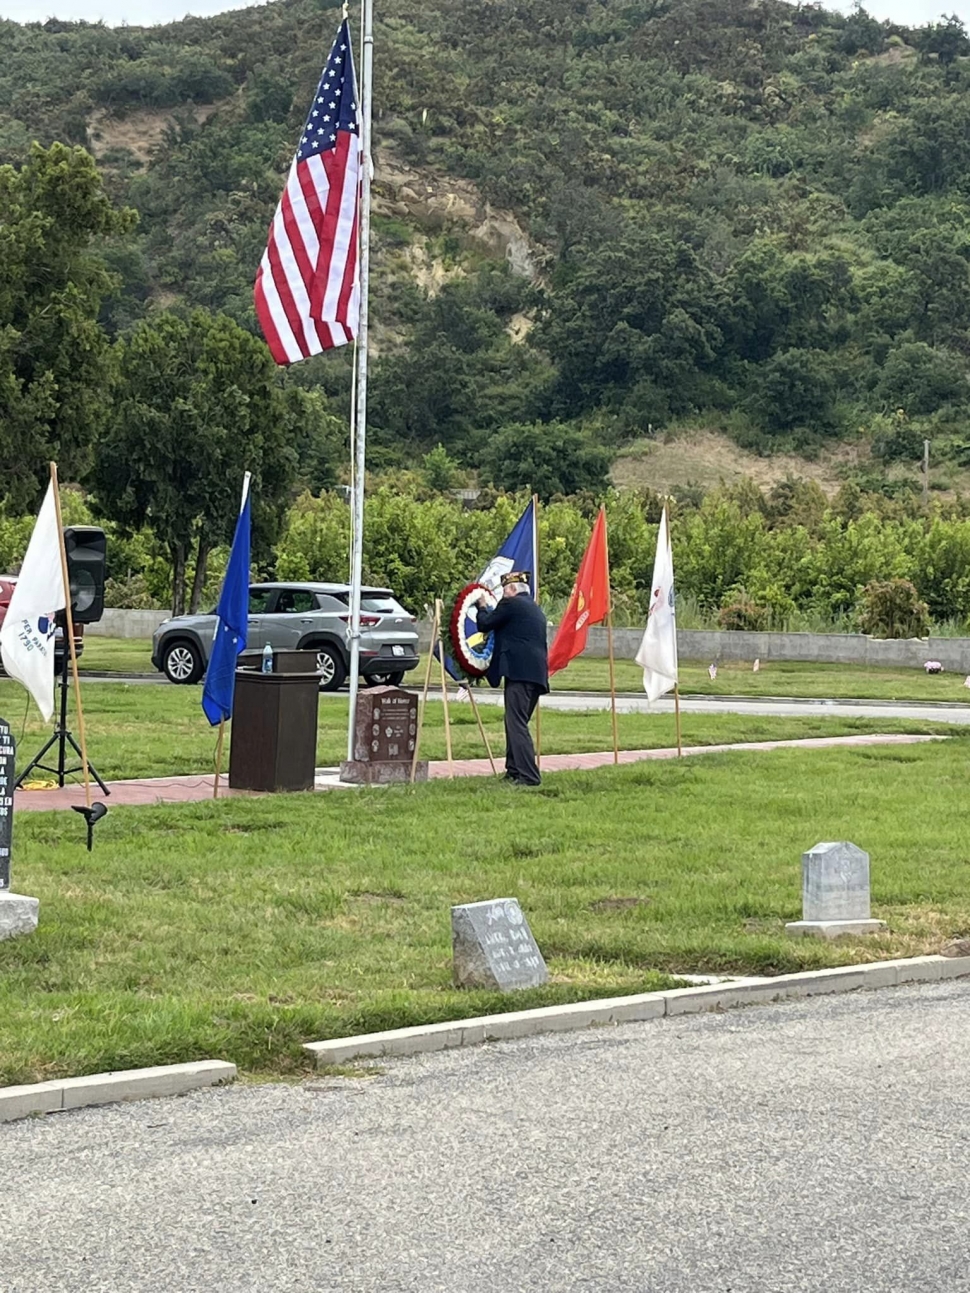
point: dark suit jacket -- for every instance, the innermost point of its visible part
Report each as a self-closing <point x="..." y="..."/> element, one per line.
<point x="520" y="641"/>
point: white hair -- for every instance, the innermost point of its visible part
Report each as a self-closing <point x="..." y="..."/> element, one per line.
<point x="517" y="588"/>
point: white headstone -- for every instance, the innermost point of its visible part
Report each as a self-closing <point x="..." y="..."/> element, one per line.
<point x="835" y="892"/>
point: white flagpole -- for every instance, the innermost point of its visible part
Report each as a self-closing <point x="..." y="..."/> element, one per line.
<point x="357" y="546"/>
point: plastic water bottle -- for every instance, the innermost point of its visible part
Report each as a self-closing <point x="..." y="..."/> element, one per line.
<point x="267" y="666"/>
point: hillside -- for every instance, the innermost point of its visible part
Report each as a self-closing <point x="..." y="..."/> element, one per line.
<point x="593" y="219"/>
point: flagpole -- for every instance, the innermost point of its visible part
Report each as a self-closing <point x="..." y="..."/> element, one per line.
<point x="444" y="694"/>
<point x="677" y="713"/>
<point x="609" y="638"/>
<point x="247" y="477"/>
<point x="481" y="728"/>
<point x="424" y="694"/>
<point x="69" y="634"/>
<point x="360" y="421"/>
<point x="535" y="580"/>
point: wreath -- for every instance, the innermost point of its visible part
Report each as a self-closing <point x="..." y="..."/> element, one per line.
<point x="473" y="649"/>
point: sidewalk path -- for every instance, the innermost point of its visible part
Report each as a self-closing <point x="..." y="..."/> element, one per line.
<point x="172" y="790"/>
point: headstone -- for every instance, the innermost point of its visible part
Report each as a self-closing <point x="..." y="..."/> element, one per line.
<point x="493" y="947"/>
<point x="385" y="733"/>
<point x="835" y="893"/>
<point x="18" y="915"/>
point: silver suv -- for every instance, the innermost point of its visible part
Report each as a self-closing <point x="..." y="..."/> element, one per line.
<point x="301" y="617"/>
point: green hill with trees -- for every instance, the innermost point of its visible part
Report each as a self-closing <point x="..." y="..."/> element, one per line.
<point x="597" y="222"/>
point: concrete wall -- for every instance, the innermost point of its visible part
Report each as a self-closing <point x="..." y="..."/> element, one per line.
<point x="126" y="624"/>
<point x="692" y="644"/>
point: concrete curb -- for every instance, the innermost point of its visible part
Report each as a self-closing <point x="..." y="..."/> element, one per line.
<point x="109" y="1088"/>
<point x="647" y="1005"/>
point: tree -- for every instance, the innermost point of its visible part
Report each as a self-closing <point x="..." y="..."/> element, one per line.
<point x="550" y="458"/>
<point x="198" y="403"/>
<point x="55" y="360"/>
<point x="892" y="608"/>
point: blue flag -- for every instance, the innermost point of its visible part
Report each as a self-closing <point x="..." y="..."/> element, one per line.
<point x="230" y="635"/>
<point x="518" y="552"/>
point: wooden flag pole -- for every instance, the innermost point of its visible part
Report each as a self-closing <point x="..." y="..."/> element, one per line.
<point x="215" y="782"/>
<point x="677" y="713"/>
<point x="444" y="694"/>
<point x="609" y="635"/>
<point x="424" y="692"/>
<point x="69" y="633"/>
<point x="481" y="728"/>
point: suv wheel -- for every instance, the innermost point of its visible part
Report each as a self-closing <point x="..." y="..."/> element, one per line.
<point x="331" y="669"/>
<point x="385" y="679"/>
<point x="182" y="662"/>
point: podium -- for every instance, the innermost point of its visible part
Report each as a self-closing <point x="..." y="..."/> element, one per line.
<point x="274" y="731"/>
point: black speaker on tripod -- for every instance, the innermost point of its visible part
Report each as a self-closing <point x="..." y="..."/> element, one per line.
<point x="86" y="550"/>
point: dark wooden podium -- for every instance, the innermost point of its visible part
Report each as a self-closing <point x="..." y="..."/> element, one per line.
<point x="274" y="731"/>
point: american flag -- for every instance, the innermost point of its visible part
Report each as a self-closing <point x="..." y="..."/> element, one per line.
<point x="307" y="295"/>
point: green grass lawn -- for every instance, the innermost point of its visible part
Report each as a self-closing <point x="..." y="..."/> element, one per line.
<point x="773" y="679"/>
<point x="149" y="731"/>
<point x="243" y="928"/>
<point x="784" y="678"/>
<point x="115" y="655"/>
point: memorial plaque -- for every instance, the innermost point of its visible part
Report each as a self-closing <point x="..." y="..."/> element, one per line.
<point x="8" y="754"/>
<point x="385" y="733"/>
<point x="493" y="947"/>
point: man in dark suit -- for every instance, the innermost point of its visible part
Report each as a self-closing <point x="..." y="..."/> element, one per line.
<point x="520" y="658"/>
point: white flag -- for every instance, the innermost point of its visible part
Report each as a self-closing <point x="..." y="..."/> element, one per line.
<point x="658" y="650"/>
<point x="27" y="635"/>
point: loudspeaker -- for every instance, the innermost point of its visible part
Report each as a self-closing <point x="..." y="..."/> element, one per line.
<point x="86" y="546"/>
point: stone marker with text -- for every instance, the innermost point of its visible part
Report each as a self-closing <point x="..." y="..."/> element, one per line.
<point x="18" y="915"/>
<point x="384" y="736"/>
<point x="493" y="947"/>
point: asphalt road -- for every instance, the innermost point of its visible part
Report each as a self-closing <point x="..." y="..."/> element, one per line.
<point x="805" y="1146"/>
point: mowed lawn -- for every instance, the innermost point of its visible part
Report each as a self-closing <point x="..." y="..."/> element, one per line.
<point x="784" y="678"/>
<point x="243" y="928"/>
<point x="138" y="730"/>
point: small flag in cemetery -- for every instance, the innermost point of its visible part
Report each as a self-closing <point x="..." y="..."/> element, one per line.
<point x="27" y="638"/>
<point x="229" y="640"/>
<point x="589" y="603"/>
<point x="658" y="650"/>
<point x="712" y="672"/>
<point x="307" y="294"/>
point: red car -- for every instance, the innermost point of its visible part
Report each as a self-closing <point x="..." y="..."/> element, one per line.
<point x="7" y="584"/>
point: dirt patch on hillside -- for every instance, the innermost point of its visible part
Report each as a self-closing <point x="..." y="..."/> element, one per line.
<point x="708" y="459"/>
<point x="436" y="201"/>
<point x="138" y="132"/>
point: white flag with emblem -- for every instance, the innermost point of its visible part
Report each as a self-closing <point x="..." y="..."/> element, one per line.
<point x="658" y="650"/>
<point x="27" y="635"/>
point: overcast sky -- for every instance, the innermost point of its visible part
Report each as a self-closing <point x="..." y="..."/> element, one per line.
<point x="142" y="12"/>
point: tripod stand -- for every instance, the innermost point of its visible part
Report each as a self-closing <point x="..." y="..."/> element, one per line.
<point x="61" y="737"/>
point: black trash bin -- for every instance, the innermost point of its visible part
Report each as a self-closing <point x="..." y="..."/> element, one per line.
<point x="274" y="731"/>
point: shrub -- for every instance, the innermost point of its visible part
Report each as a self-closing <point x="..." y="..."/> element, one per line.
<point x="742" y="614"/>
<point x="891" y="608"/>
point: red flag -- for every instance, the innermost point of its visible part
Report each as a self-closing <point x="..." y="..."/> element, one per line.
<point x="307" y="294"/>
<point x="589" y="603"/>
